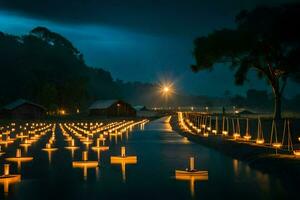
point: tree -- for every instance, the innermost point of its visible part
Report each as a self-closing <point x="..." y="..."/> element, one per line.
<point x="266" y="39"/>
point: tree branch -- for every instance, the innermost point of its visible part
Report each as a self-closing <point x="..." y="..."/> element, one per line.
<point x="283" y="85"/>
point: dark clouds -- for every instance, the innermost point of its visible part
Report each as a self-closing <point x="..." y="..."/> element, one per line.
<point x="138" y="39"/>
<point x="184" y="17"/>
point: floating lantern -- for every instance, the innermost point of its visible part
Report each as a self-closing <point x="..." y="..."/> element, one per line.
<point x="26" y="143"/>
<point x="87" y="141"/>
<point x="85" y="162"/>
<point x="260" y="136"/>
<point x="101" y="138"/>
<point x="236" y="135"/>
<point x="99" y="147"/>
<point x="215" y="131"/>
<point x="31" y="140"/>
<point x="123" y="157"/>
<point x="191" y="171"/>
<point x="191" y="174"/>
<point x="72" y="145"/>
<point x="236" y="129"/>
<point x="68" y="139"/>
<point x="7" y="141"/>
<point x="6" y="132"/>
<point x="247" y="137"/>
<point x="19" y="159"/>
<point x="205" y="134"/>
<point x="49" y="147"/>
<point x="123" y="160"/>
<point x="260" y="141"/>
<point x="49" y="150"/>
<point x="209" y="125"/>
<point x="275" y="144"/>
<point x="6" y="179"/>
<point x="296" y="152"/>
<point x="21" y="135"/>
<point x="225" y="131"/>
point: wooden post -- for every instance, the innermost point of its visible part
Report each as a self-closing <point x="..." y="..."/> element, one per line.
<point x="85" y="156"/>
<point x="6" y="169"/>
<point x="18" y="153"/>
<point x="123" y="154"/>
<point x="192" y="163"/>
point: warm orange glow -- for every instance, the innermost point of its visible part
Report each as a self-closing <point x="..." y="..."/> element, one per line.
<point x="247" y="137"/>
<point x="166" y="88"/>
<point x="19" y="157"/>
<point x="236" y="136"/>
<point x="123" y="160"/>
<point x="49" y="148"/>
<point x="296" y="152"/>
<point x="85" y="163"/>
<point x="260" y="141"/>
<point x="185" y="175"/>
<point x="277" y="145"/>
<point x="8" y="178"/>
<point x="191" y="175"/>
<point x="98" y="147"/>
<point x="225" y="133"/>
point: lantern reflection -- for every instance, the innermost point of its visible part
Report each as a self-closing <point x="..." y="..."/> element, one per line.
<point x="123" y="160"/>
<point x="192" y="175"/>
<point x="6" y="179"/>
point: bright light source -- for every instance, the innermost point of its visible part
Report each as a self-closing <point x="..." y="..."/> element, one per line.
<point x="166" y="89"/>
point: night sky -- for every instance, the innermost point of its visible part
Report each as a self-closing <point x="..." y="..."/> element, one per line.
<point x="139" y="40"/>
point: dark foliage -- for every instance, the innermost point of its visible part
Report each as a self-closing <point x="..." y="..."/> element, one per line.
<point x="266" y="39"/>
<point x="46" y="68"/>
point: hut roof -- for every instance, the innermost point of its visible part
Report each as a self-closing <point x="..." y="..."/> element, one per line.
<point x="140" y="108"/>
<point x="20" y="102"/>
<point x="102" y="104"/>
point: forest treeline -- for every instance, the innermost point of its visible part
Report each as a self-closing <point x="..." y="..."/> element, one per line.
<point x="44" y="67"/>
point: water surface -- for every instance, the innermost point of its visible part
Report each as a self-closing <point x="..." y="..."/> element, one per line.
<point x="160" y="151"/>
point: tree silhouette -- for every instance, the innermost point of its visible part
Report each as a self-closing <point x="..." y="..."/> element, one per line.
<point x="45" y="67"/>
<point x="266" y="39"/>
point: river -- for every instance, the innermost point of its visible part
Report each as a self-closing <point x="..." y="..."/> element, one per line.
<point x="159" y="151"/>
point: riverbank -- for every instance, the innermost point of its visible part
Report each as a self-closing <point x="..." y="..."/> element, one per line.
<point x="258" y="157"/>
